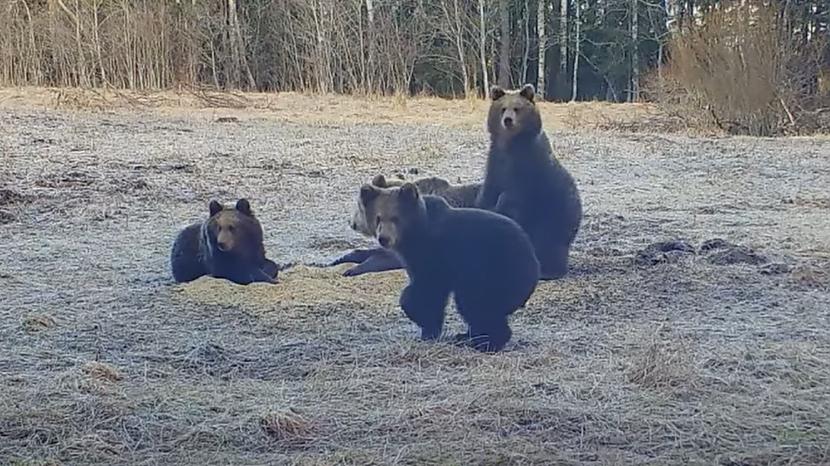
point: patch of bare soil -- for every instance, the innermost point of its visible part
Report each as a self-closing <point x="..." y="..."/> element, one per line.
<point x="693" y="327"/>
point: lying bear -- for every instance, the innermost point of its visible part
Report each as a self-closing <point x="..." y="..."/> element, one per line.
<point x="364" y="221"/>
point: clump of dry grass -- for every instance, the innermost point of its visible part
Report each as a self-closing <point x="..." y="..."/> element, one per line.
<point x="663" y="364"/>
<point x="286" y="425"/>
<point x="811" y="276"/>
<point x="101" y="371"/>
<point x="301" y="288"/>
<point x="38" y="323"/>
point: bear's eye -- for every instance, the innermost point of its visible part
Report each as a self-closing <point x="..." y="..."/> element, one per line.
<point x="503" y="110"/>
<point x="231" y="228"/>
<point x="516" y="109"/>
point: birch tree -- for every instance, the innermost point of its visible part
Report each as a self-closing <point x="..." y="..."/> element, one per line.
<point x="542" y="34"/>
<point x="504" y="45"/>
<point x="482" y="37"/>
<point x="577" y="40"/>
<point x="563" y="44"/>
<point x="635" y="52"/>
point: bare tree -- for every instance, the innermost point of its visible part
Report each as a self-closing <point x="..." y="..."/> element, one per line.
<point x="504" y="45"/>
<point x="481" y="47"/>
<point x="456" y="35"/>
<point x="526" y="54"/>
<point x="240" y="61"/>
<point x="563" y="45"/>
<point x="635" y="51"/>
<point x="542" y="33"/>
<point x="370" y="13"/>
<point x="577" y="39"/>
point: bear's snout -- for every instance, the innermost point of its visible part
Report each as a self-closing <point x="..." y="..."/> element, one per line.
<point x="508" y="122"/>
<point x="223" y="246"/>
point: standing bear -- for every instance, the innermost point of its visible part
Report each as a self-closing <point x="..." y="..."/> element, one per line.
<point x="525" y="182"/>
<point x="227" y="245"/>
<point x="484" y="259"/>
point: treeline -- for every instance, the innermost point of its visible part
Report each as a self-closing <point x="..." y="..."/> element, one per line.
<point x="572" y="49"/>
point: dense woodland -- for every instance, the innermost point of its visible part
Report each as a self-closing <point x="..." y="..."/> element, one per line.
<point x="616" y="50"/>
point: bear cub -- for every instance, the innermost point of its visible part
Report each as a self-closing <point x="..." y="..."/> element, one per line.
<point x="524" y="181"/>
<point x="484" y="259"/>
<point x="227" y="245"/>
<point x="363" y="221"/>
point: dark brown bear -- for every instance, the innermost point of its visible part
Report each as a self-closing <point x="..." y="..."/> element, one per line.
<point x="227" y="245"/>
<point x="364" y="221"/>
<point x="485" y="260"/>
<point x="525" y="182"/>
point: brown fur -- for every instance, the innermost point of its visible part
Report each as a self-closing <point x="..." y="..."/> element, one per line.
<point x="485" y="260"/>
<point x="363" y="219"/>
<point x="513" y="114"/>
<point x="229" y="244"/>
<point x="525" y="182"/>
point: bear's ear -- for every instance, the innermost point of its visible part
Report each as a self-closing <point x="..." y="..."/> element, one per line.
<point x="215" y="207"/>
<point x="368" y="193"/>
<point x="244" y="206"/>
<point x="496" y="93"/>
<point x="409" y="193"/>
<point x="379" y="181"/>
<point x="528" y="91"/>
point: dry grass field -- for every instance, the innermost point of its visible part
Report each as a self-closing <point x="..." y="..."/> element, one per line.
<point x="688" y="352"/>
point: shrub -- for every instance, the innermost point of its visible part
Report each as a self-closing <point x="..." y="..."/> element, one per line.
<point x="746" y="70"/>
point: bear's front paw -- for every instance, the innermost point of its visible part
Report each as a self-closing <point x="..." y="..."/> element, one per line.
<point x="353" y="272"/>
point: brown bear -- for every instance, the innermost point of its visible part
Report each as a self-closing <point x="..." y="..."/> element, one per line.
<point x="228" y="245"/>
<point x="524" y="181"/>
<point x="483" y="258"/>
<point x="364" y="221"/>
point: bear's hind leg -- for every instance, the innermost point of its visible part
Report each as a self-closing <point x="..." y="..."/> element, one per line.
<point x="380" y="261"/>
<point x="355" y="256"/>
<point x="425" y="306"/>
<point x="552" y="254"/>
<point x="489" y="336"/>
<point x="487" y="327"/>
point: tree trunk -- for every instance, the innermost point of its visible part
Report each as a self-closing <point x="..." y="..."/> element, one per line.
<point x="322" y="56"/>
<point x="369" y="76"/>
<point x="563" y="47"/>
<point x="459" y="45"/>
<point x="238" y="46"/>
<point x="526" y="55"/>
<point x="577" y="39"/>
<point x="540" y="28"/>
<point x="635" y="53"/>
<point x="504" y="46"/>
<point x="481" y="46"/>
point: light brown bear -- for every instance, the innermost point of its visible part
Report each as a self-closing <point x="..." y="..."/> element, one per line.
<point x="364" y="221"/>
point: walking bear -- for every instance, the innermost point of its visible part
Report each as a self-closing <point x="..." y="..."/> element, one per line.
<point x="484" y="259"/>
<point x="227" y="245"/>
<point x="526" y="183"/>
